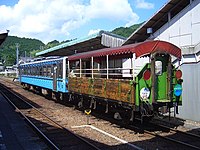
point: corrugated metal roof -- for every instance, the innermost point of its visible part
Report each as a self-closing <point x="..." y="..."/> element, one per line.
<point x="139" y="49"/>
<point x="157" y="20"/>
<point x="3" y="37"/>
<point x="99" y="40"/>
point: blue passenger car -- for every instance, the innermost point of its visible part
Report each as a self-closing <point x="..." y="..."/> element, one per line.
<point x="48" y="74"/>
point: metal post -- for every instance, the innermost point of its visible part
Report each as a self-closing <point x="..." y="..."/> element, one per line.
<point x="17" y="53"/>
<point x="17" y="58"/>
<point x="133" y="65"/>
<point x="80" y="67"/>
<point x="107" y="71"/>
<point x="153" y="77"/>
<point x="64" y="68"/>
<point x="92" y="68"/>
<point x="68" y="68"/>
<point x="25" y="55"/>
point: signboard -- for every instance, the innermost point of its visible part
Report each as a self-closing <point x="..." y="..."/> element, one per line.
<point x="144" y="93"/>
<point x="177" y="90"/>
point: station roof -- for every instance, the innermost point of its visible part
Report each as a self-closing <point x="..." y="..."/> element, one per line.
<point x="96" y="41"/>
<point x="157" y="20"/>
<point x="140" y="49"/>
<point x="3" y="37"/>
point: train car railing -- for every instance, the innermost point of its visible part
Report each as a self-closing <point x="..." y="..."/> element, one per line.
<point x="104" y="73"/>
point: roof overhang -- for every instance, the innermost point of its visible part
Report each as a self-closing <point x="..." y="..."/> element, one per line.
<point x="157" y="20"/>
<point x="140" y="49"/>
<point x="96" y="41"/>
<point x="3" y="37"/>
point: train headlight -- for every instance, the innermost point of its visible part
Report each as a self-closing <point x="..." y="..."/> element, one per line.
<point x="146" y="74"/>
<point x="178" y="74"/>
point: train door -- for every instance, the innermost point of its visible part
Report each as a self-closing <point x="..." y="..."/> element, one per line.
<point x="160" y="77"/>
<point x="55" y="76"/>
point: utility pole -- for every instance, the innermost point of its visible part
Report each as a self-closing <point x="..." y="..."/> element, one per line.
<point x="25" y="56"/>
<point x="17" y="58"/>
<point x="17" y="53"/>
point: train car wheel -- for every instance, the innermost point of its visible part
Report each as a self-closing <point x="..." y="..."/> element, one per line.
<point x="117" y="116"/>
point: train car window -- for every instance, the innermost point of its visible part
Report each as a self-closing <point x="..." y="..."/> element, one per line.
<point x="32" y="70"/>
<point x="44" y="71"/>
<point x="60" y="70"/>
<point x="158" y="67"/>
<point x="40" y="70"/>
<point x="28" y="70"/>
<point x="25" y="70"/>
<point x="49" y="71"/>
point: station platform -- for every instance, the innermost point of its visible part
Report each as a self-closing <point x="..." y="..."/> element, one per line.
<point x="15" y="134"/>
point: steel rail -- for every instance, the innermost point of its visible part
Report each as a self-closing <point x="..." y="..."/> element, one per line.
<point x="50" y="143"/>
<point x="174" y="140"/>
<point x="36" y="128"/>
<point x="176" y="130"/>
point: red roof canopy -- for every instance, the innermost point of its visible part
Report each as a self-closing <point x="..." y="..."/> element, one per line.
<point x="140" y="49"/>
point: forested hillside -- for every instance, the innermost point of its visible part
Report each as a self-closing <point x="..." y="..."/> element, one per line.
<point x="26" y="45"/>
<point x="29" y="46"/>
<point x="126" y="31"/>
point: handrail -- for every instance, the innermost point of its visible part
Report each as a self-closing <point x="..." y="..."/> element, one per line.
<point x="123" y="72"/>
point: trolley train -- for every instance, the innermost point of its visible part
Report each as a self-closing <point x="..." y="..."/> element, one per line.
<point x="138" y="79"/>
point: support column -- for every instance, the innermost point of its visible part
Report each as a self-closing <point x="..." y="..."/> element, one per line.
<point x="80" y="67"/>
<point x="92" y="67"/>
<point x="133" y="65"/>
<point x="107" y="71"/>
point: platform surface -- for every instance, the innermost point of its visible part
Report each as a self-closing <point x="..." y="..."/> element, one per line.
<point x="15" y="134"/>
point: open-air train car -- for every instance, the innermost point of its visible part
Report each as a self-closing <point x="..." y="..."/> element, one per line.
<point x="138" y="77"/>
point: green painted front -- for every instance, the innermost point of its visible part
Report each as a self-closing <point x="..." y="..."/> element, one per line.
<point x="141" y="83"/>
<point x="160" y="83"/>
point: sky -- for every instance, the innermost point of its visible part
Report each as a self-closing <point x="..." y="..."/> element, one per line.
<point x="49" y="20"/>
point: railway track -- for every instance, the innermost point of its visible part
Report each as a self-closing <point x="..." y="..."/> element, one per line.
<point x="187" y="139"/>
<point x="179" y="139"/>
<point x="176" y="139"/>
<point x="55" y="135"/>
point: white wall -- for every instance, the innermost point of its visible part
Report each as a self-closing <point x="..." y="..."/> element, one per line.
<point x="183" y="29"/>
